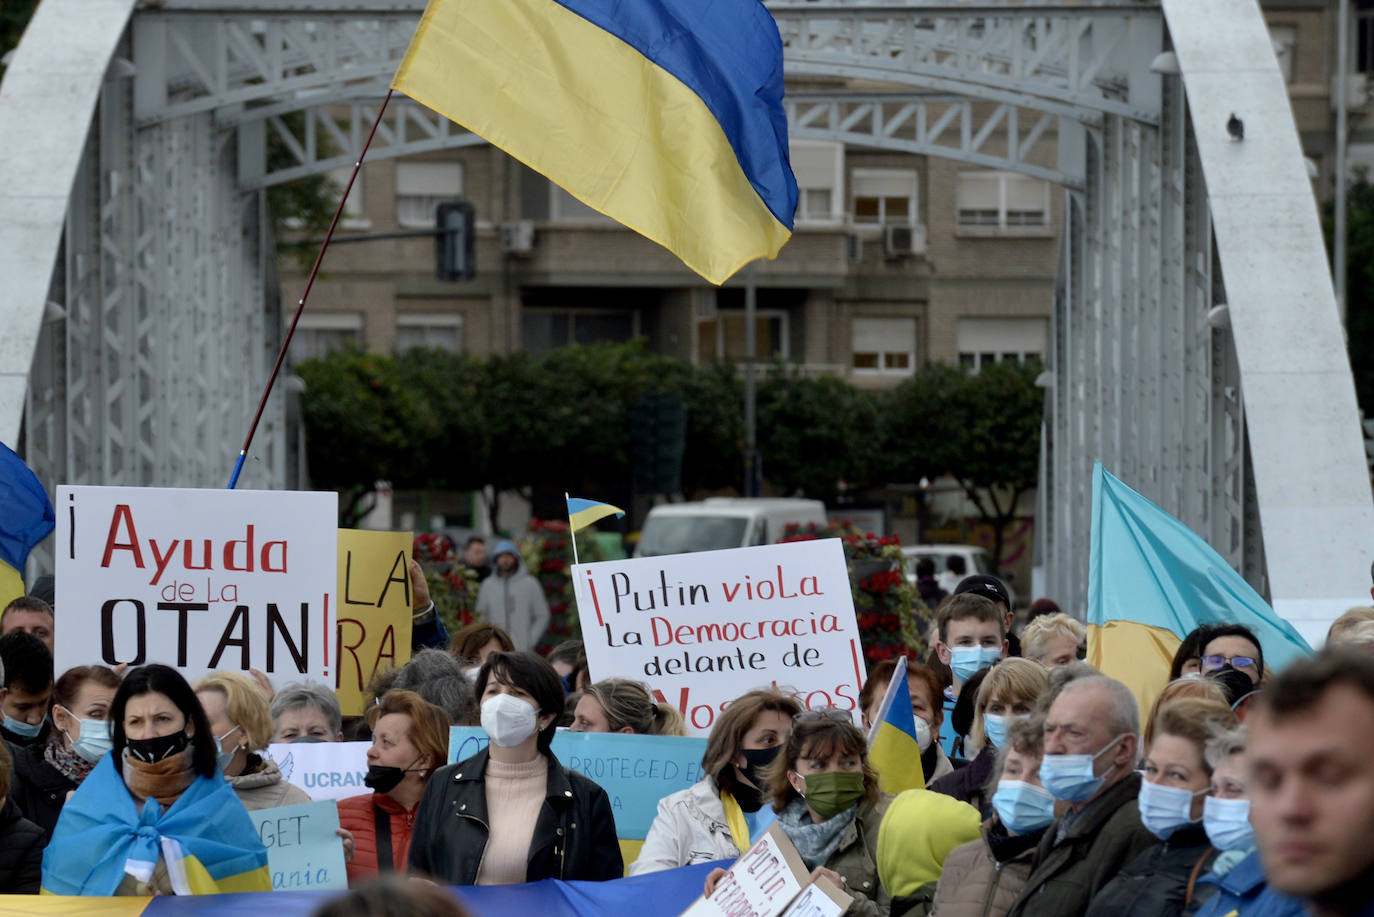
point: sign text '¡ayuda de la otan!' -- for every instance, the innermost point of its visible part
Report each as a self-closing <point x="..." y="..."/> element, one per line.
<point x="237" y="555"/>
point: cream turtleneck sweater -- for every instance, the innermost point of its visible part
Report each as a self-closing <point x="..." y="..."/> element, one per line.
<point x="515" y="794"/>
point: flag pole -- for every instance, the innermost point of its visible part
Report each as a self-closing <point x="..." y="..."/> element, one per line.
<point x="572" y="532"/>
<point x="300" y="304"/>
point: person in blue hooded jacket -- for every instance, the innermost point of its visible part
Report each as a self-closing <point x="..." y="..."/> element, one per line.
<point x="513" y="600"/>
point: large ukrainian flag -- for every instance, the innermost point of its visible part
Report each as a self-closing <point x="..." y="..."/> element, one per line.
<point x="1151" y="581"/>
<point x="26" y="518"/>
<point x="663" y="114"/>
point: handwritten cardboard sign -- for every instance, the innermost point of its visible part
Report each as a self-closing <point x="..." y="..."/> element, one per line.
<point x="201" y="580"/>
<point x="636" y="771"/>
<point x="303" y="852"/>
<point x="765" y="880"/>
<point x="374" y="610"/>
<point x="325" y="770"/>
<point x="702" y="629"/>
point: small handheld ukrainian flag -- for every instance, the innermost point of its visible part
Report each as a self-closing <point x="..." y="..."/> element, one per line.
<point x="582" y="513"/>
<point x="27" y="519"/>
<point x="892" y="745"/>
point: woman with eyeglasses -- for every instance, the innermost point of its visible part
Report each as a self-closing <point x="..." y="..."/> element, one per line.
<point x="718" y="817"/>
<point x="1162" y="880"/>
<point x="828" y="803"/>
<point x="1008" y="692"/>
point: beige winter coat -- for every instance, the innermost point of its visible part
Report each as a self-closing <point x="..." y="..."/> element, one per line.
<point x="974" y="884"/>
<point x="264" y="788"/>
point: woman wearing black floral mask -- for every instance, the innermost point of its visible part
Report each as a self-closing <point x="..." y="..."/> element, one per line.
<point x="162" y="775"/>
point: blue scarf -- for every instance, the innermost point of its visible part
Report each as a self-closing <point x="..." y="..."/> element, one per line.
<point x="814" y="841"/>
<point x="206" y="839"/>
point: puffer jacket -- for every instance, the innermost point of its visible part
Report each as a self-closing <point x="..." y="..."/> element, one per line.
<point x="1101" y="839"/>
<point x="856" y="860"/>
<point x="689" y="828"/>
<point x="983" y="877"/>
<point x="1161" y="880"/>
<point x="261" y="786"/>
<point x="37" y="788"/>
<point x="574" y="836"/>
<point x="21" y="852"/>
<point x="356" y="814"/>
<point x="514" y="603"/>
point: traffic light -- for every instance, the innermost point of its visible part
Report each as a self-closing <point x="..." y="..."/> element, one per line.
<point x="658" y="437"/>
<point x="455" y="241"/>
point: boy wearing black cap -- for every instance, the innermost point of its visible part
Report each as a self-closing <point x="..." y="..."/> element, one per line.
<point x="990" y="587"/>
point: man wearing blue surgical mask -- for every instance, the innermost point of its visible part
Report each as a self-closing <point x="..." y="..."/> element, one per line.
<point x="972" y="636"/>
<point x="27" y="688"/>
<point x="1091" y="735"/>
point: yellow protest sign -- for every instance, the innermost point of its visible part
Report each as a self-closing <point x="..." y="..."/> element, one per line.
<point x="374" y="610"/>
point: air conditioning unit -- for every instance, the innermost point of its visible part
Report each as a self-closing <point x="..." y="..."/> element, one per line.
<point x="517" y="237"/>
<point x="904" y="240"/>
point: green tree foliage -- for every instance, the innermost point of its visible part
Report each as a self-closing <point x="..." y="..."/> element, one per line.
<point x="1359" y="286"/>
<point x="981" y="428"/>
<point x="815" y="433"/>
<point x="430" y="419"/>
<point x="14" y="16"/>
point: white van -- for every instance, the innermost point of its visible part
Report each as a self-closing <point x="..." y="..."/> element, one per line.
<point x="723" y="522"/>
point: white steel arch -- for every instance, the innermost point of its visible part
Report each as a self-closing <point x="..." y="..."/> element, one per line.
<point x="166" y="263"/>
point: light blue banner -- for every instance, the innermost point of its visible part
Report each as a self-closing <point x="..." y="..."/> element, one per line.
<point x="636" y="771"/>
<point x="303" y="852"/>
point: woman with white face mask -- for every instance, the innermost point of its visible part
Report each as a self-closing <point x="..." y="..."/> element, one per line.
<point x="47" y="772"/>
<point x="511" y="813"/>
<point x="926" y="708"/>
<point x="1162" y="880"/>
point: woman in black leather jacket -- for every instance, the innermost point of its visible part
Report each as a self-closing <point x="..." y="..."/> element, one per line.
<point x="511" y="813"/>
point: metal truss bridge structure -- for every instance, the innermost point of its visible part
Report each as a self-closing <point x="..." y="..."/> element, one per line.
<point x="1196" y="348"/>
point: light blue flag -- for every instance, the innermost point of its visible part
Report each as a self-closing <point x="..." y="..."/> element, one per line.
<point x="1152" y="580"/>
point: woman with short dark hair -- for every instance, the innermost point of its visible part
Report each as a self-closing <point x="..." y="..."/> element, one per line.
<point x="156" y="816"/>
<point x="511" y="813"/>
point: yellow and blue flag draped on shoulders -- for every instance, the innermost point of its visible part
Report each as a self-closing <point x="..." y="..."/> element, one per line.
<point x="665" y="115"/>
<point x="892" y="745"/>
<point x="206" y="839"/>
<point x="26" y="518"/>
<point x="1151" y="581"/>
<point x="582" y="513"/>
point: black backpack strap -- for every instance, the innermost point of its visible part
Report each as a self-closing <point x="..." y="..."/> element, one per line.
<point x="385" y="861"/>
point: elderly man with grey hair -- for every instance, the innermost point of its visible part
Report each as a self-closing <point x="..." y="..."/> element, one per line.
<point x="1091" y="746"/>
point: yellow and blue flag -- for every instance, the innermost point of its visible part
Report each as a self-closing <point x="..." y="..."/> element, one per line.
<point x="665" y="115"/>
<point x="205" y="839"/>
<point x="892" y="746"/>
<point x="582" y="513"/>
<point x="1151" y="581"/>
<point x="26" y="520"/>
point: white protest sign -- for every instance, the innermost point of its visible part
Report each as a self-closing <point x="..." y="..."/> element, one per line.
<point x="702" y="629"/>
<point x="325" y="770"/>
<point x="201" y="580"/>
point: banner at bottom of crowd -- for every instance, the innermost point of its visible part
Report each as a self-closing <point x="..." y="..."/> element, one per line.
<point x="668" y="892"/>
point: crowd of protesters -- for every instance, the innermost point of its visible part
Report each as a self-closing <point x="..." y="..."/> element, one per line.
<point x="1244" y="792"/>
